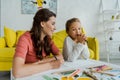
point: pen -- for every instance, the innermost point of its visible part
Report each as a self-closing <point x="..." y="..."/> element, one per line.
<point x="55" y="57"/>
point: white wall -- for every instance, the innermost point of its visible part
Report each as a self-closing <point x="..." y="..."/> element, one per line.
<point x="88" y="11"/>
<point x="11" y="14"/>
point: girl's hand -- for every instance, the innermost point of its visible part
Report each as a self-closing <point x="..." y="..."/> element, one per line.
<point x="81" y="38"/>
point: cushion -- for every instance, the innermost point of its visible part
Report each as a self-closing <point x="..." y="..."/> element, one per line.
<point x="18" y="34"/>
<point x="91" y="53"/>
<point x="59" y="37"/>
<point x="2" y="42"/>
<point x="10" y="36"/>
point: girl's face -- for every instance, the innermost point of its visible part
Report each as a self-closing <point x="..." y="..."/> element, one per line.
<point x="74" y="30"/>
<point x="49" y="26"/>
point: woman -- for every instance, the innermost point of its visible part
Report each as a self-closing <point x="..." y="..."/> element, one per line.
<point x="75" y="46"/>
<point x="32" y="54"/>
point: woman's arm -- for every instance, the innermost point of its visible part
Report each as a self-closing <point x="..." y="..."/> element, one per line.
<point x="20" y="69"/>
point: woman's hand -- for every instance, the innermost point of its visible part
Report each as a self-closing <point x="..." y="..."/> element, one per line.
<point x="55" y="64"/>
<point x="60" y="57"/>
<point x="50" y="59"/>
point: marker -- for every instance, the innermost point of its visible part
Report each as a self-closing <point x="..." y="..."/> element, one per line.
<point x="75" y="73"/>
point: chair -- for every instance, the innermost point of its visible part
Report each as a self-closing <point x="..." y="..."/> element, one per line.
<point x="93" y="45"/>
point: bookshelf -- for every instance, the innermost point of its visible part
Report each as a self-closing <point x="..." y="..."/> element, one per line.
<point x="111" y="24"/>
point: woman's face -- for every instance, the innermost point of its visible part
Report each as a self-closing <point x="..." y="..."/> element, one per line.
<point x="74" y="30"/>
<point x="49" y="26"/>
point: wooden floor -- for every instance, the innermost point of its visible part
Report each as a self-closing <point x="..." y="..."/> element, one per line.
<point x="6" y="75"/>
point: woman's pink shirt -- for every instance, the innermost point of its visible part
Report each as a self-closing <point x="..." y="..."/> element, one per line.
<point x="25" y="49"/>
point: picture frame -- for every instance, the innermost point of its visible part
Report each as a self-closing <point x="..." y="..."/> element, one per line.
<point x="31" y="6"/>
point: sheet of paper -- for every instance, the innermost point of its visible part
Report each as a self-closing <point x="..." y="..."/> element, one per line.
<point x="80" y="64"/>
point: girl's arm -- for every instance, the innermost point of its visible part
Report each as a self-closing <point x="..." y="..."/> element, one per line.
<point x="85" y="52"/>
<point x="72" y="50"/>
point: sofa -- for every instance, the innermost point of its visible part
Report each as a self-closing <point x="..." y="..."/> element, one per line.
<point x="10" y="38"/>
<point x="7" y="47"/>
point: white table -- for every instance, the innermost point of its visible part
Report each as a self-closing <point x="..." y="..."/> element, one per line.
<point x="80" y="64"/>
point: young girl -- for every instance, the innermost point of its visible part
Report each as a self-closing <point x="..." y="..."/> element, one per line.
<point x="75" y="46"/>
<point x="34" y="47"/>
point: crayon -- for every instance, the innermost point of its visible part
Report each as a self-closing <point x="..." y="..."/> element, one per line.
<point x="75" y="73"/>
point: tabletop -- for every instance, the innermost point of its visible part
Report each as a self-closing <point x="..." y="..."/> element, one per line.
<point x="79" y="64"/>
